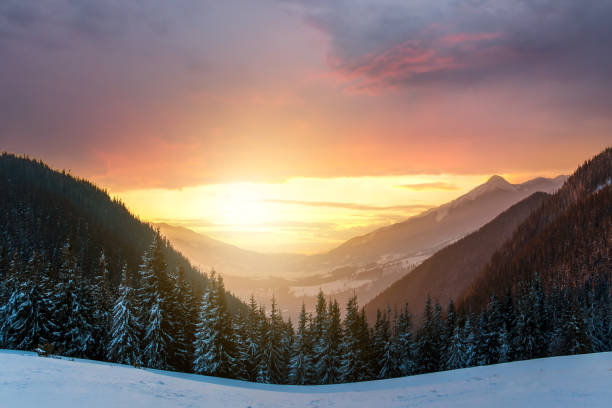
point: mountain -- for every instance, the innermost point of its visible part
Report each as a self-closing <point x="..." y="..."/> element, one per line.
<point x="209" y="253"/>
<point x="40" y="209"/>
<point x="364" y="265"/>
<point x="564" y="243"/>
<point x="436" y="228"/>
<point x="450" y="271"/>
<point x="29" y="381"/>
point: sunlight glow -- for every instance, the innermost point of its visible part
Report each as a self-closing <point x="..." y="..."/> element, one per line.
<point x="303" y="215"/>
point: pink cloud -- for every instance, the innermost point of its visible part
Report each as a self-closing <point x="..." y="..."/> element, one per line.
<point x="459" y="38"/>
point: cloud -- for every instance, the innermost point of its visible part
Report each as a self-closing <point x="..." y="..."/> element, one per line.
<point x="429" y="186"/>
<point x="399" y="43"/>
<point x="352" y="206"/>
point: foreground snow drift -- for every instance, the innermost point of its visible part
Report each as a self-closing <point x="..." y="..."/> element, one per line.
<point x="27" y="380"/>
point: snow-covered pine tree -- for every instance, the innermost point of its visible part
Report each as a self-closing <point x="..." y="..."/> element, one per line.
<point x="214" y="348"/>
<point x="529" y="340"/>
<point x="28" y="310"/>
<point x="186" y="318"/>
<point x="509" y="317"/>
<point x="352" y="355"/>
<point x="365" y="347"/>
<point x="575" y="339"/>
<point x="155" y="307"/>
<point x="156" y="340"/>
<point x="469" y="344"/>
<point x="123" y="340"/>
<point x="274" y="353"/>
<point x="454" y="356"/>
<point x="383" y="351"/>
<point x="74" y="314"/>
<point x="404" y="343"/>
<point x="504" y="345"/>
<point x="301" y="361"/>
<point x="490" y="353"/>
<point x="288" y="340"/>
<point x="597" y="312"/>
<point x="429" y="339"/>
<point x="451" y="322"/>
<point x="102" y="305"/>
<point x="329" y="351"/>
<point x="263" y="372"/>
<point x="249" y="352"/>
<point x="319" y="333"/>
<point x="239" y="330"/>
<point x="202" y="334"/>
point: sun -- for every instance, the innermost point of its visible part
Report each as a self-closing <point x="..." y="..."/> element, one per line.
<point x="241" y="205"/>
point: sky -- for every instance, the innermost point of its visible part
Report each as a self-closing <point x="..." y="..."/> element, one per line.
<point x="288" y="125"/>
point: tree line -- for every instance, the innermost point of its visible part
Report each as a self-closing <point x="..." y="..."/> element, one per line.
<point x="154" y="318"/>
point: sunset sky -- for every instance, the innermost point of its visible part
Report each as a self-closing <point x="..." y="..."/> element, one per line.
<point x="291" y="125"/>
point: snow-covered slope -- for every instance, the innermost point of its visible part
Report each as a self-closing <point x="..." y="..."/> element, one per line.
<point x="27" y="380"/>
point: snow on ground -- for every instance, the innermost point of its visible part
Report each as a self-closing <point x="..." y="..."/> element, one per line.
<point x="27" y="380"/>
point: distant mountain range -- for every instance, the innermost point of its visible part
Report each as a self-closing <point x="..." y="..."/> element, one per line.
<point x="450" y="271"/>
<point x="364" y="265"/>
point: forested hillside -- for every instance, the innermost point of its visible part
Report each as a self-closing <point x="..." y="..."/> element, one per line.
<point x="41" y="209"/>
<point x="567" y="241"/>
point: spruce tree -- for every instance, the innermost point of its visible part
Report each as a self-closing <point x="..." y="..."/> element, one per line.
<point x="301" y="362"/>
<point x="214" y="346"/>
<point x="123" y="344"/>
<point x="249" y="351"/>
<point x="74" y="314"/>
<point x="352" y="354"/>
<point x="329" y="351"/>
<point x="404" y="343"/>
<point x="274" y="353"/>
<point x="455" y="354"/>
<point x="155" y="304"/>
<point x="102" y="303"/>
<point x="383" y="351"/>
<point x="429" y="339"/>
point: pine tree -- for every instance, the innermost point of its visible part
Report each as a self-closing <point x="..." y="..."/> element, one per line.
<point x="490" y="333"/>
<point x="123" y="344"/>
<point x="469" y="344"/>
<point x="387" y="366"/>
<point x="575" y="339"/>
<point x="455" y="354"/>
<point x="155" y="302"/>
<point x="352" y="354"/>
<point x="182" y="314"/>
<point x="214" y="348"/>
<point x="263" y="333"/>
<point x="249" y="350"/>
<point x="274" y="353"/>
<point x="29" y="311"/>
<point x="319" y="333"/>
<point x="404" y="343"/>
<point x="429" y="339"/>
<point x="155" y="339"/>
<point x="102" y="300"/>
<point x="365" y="348"/>
<point x="529" y="341"/>
<point x="74" y="314"/>
<point x="329" y="348"/>
<point x="301" y="362"/>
